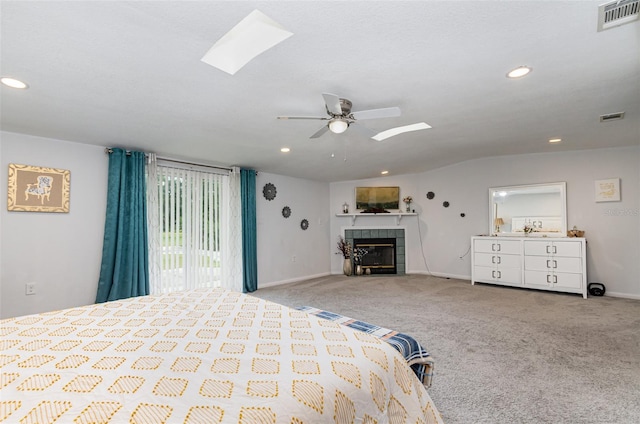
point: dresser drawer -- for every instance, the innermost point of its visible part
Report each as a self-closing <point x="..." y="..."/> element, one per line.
<point x="556" y="248"/>
<point x="553" y="264"/>
<point x="497" y="246"/>
<point x="496" y="260"/>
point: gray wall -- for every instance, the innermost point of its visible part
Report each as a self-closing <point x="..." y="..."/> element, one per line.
<point x="438" y="240"/>
<point x="60" y="252"/>
<point x="286" y="253"/>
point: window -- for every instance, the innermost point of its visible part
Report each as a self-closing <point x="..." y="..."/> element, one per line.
<point x="191" y="231"/>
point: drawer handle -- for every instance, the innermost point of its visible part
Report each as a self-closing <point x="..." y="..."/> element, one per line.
<point x="548" y="248"/>
<point x="555" y="279"/>
<point x="499" y="274"/>
<point x="555" y="249"/>
<point x="555" y="264"/>
<point x="499" y="260"/>
<point x="548" y="261"/>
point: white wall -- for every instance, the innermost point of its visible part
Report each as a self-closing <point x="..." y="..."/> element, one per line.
<point x="286" y="253"/>
<point x="612" y="228"/>
<point x="60" y="252"/>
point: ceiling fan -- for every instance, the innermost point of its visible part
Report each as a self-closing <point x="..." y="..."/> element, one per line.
<point x="341" y="117"/>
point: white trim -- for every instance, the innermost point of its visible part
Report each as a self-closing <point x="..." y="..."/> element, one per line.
<point x="292" y="280"/>
<point x="442" y="275"/>
<point x="621" y="295"/>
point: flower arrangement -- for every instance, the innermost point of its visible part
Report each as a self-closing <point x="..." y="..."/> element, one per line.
<point x="407" y="201"/>
<point x="358" y="254"/>
<point x="344" y="247"/>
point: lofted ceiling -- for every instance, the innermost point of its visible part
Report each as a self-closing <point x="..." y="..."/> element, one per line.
<point x="129" y="74"/>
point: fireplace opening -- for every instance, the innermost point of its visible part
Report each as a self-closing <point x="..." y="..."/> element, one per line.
<point x="381" y="254"/>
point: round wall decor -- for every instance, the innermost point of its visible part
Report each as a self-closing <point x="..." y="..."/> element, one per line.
<point x="463" y="215"/>
<point x="286" y="211"/>
<point x="431" y="195"/>
<point x="445" y="204"/>
<point x="304" y="224"/>
<point x="269" y="191"/>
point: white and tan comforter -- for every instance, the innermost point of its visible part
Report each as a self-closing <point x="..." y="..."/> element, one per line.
<point x="203" y="356"/>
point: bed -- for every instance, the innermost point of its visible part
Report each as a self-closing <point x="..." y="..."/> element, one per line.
<point x="201" y="356"/>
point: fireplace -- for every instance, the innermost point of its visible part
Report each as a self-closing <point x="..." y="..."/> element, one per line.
<point x="372" y="236"/>
<point x="381" y="254"/>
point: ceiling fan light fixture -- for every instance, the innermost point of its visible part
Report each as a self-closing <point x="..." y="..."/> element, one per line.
<point x="399" y="130"/>
<point x="338" y="126"/>
<point x="519" y="72"/>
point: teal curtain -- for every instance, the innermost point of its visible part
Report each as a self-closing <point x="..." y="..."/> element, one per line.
<point x="249" y="245"/>
<point x="125" y="272"/>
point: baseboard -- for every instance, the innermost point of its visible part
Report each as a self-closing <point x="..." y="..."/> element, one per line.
<point x="292" y="280"/>
<point x="442" y="275"/>
<point x="622" y="295"/>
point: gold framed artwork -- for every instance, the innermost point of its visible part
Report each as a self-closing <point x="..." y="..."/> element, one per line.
<point x="608" y="190"/>
<point x="38" y="189"/>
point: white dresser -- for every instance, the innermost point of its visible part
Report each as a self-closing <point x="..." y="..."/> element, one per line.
<point x="557" y="264"/>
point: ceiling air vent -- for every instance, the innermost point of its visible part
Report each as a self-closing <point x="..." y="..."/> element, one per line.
<point x="616" y="13"/>
<point x="611" y="117"/>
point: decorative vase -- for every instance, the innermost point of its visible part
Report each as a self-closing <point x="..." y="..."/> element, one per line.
<point x="346" y="267"/>
<point x="408" y="207"/>
<point x="358" y="269"/>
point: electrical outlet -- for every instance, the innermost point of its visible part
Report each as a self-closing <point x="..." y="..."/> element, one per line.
<point x="30" y="288"/>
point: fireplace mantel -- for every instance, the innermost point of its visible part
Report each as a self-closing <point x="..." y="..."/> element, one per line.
<point x="354" y="216"/>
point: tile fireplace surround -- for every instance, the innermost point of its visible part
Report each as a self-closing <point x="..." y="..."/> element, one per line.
<point x="396" y="233"/>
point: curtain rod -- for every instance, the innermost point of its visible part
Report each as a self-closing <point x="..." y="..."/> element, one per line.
<point x="109" y="150"/>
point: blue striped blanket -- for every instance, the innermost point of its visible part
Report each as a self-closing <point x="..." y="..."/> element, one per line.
<point x="417" y="357"/>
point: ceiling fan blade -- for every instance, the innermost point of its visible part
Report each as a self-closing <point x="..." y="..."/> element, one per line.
<point x="333" y="103"/>
<point x="369" y="133"/>
<point x="387" y="112"/>
<point x="399" y="130"/>
<point x="320" y="132"/>
<point x="304" y="117"/>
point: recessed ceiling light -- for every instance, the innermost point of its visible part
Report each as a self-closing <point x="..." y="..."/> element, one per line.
<point x="555" y="140"/>
<point x="13" y="83"/>
<point x="384" y="172"/>
<point x="520" y="71"/>
<point x="285" y="150"/>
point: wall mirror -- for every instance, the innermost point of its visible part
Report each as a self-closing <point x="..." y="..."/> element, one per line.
<point x="542" y="207"/>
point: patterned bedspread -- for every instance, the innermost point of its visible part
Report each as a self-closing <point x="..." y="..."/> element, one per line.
<point x="203" y="356"/>
<point x="416" y="356"/>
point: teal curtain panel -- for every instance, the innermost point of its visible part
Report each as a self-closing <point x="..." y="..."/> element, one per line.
<point x="124" y="271"/>
<point x="249" y="245"/>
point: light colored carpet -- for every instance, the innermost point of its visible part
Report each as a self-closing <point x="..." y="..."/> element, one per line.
<point x="502" y="355"/>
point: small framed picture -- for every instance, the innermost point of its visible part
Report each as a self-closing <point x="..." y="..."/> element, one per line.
<point x="608" y="190"/>
<point x="37" y="189"/>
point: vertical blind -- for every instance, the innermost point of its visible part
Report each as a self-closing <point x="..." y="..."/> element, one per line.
<point x="191" y="216"/>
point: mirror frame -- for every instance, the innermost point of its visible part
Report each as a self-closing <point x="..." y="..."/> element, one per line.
<point x="562" y="186"/>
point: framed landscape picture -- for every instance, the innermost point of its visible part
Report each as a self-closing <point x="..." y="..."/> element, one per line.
<point x="37" y="189"/>
<point x="377" y="198"/>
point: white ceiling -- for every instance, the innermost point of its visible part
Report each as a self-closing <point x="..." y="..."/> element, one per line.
<point x="128" y="74"/>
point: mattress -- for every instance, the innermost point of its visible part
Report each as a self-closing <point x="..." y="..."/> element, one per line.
<point x="201" y="356"/>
